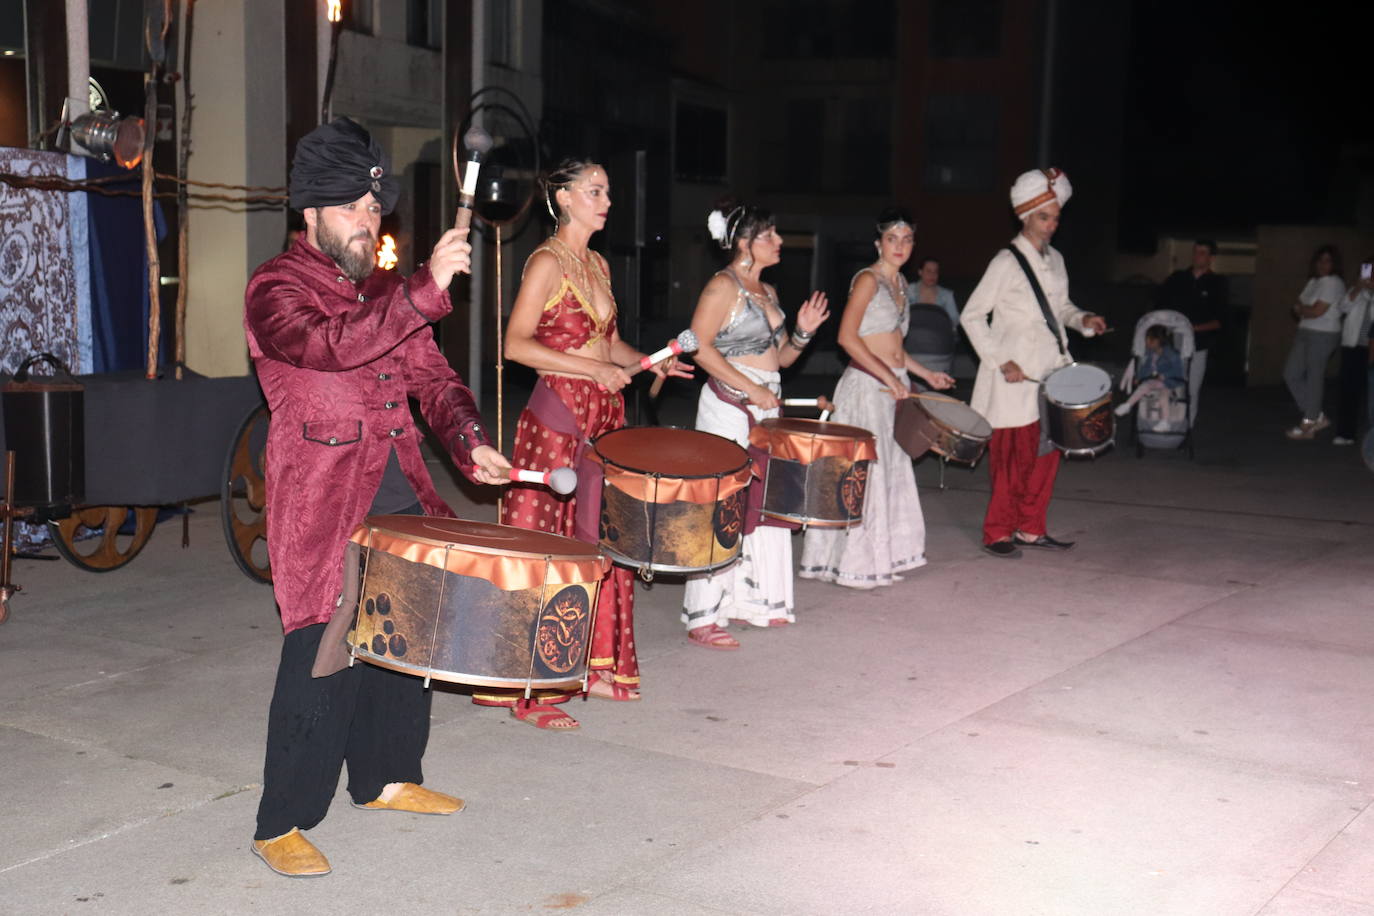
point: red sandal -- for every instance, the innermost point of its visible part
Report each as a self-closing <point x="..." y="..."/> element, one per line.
<point x="612" y="691"/>
<point x="712" y="636"/>
<point x="545" y="717"/>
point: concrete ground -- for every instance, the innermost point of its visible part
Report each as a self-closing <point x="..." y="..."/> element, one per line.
<point x="1174" y="718"/>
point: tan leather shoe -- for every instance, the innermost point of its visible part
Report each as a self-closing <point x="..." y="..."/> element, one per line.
<point x="417" y="800"/>
<point x="291" y="854"/>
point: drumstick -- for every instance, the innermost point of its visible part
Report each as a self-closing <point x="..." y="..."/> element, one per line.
<point x="686" y="342"/>
<point x="824" y="403"/>
<point x="560" y="480"/>
<point x="925" y="395"/>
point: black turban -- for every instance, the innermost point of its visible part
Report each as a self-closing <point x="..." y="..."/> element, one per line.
<point x="337" y="163"/>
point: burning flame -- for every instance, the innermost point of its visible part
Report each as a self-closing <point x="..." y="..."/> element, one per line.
<point x="386" y="254"/>
<point x="334" y="11"/>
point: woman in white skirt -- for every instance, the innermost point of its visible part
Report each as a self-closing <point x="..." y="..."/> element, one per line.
<point x="892" y="537"/>
<point x="743" y="344"/>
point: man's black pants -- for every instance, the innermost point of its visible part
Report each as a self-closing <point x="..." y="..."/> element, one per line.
<point x="376" y="720"/>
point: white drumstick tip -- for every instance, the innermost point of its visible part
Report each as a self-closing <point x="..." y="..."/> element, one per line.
<point x="563" y="481"/>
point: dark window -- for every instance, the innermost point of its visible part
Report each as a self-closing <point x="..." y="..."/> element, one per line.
<point x="700" y="151"/>
<point x="500" y="26"/>
<point x="866" y="145"/>
<point x="961" y="142"/>
<point x="357" y="16"/>
<point x="802" y="156"/>
<point x="965" y="28"/>
<point x="424" y="23"/>
<point x="828" y="29"/>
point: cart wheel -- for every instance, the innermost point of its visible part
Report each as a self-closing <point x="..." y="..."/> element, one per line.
<point x="90" y="537"/>
<point x="243" y="497"/>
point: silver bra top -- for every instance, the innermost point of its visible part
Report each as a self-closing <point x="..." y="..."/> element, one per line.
<point x="883" y="313"/>
<point x="748" y="333"/>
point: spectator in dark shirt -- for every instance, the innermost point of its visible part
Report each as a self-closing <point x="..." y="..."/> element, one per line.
<point x="1200" y="294"/>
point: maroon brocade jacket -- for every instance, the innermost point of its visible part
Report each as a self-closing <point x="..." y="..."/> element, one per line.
<point x="337" y="362"/>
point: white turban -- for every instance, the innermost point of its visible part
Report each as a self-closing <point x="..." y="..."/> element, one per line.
<point x="1038" y="187"/>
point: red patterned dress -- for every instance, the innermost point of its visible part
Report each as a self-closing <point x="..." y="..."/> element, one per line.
<point x="569" y="323"/>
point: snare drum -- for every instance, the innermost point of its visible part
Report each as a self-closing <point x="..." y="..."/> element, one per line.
<point x="673" y="499"/>
<point x="475" y="603"/>
<point x="1078" y="409"/>
<point x="943" y="425"/>
<point x="817" y="471"/>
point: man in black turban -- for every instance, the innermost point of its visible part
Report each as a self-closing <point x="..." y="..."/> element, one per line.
<point x="339" y="351"/>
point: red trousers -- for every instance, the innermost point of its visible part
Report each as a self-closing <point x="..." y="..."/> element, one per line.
<point x="1022" y="483"/>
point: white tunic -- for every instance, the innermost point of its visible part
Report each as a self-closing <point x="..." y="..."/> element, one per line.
<point x="1017" y="332"/>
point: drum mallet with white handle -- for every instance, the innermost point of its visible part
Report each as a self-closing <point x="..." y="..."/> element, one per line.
<point x="560" y="480"/>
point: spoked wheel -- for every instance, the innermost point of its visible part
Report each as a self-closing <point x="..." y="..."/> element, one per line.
<point x="243" y="497"/>
<point x="92" y="536"/>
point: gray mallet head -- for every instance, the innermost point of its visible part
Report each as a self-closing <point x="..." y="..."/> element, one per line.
<point x="563" y="481"/>
<point x="477" y="141"/>
<point x="688" y="341"/>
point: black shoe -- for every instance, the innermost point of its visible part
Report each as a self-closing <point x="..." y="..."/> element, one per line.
<point x="1004" y="549"/>
<point x="1044" y="542"/>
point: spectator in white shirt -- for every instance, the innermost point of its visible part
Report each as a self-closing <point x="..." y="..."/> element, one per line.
<point x="1319" y="332"/>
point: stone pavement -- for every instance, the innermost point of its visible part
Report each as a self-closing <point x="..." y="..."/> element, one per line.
<point x="1174" y="718"/>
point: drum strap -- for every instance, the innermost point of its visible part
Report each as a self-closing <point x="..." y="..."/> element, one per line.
<point x="548" y="408"/>
<point x="333" y="653"/>
<point x="1040" y="298"/>
<point x="753" y="510"/>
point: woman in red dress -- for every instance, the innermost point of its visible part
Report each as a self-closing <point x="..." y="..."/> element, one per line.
<point x="563" y="325"/>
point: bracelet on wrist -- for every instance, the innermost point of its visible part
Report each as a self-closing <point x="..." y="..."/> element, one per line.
<point x="802" y="335"/>
<point x="800" y="344"/>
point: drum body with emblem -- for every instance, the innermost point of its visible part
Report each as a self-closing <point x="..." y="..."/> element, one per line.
<point x="673" y="499"/>
<point x="1078" y="409"/>
<point x="943" y="425"/>
<point x="817" y="470"/>
<point x="473" y="602"/>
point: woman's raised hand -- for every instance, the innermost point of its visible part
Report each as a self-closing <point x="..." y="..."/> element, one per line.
<point x="813" y="312"/>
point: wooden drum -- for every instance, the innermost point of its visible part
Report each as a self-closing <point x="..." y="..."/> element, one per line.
<point x="475" y="603"/>
<point x="673" y="499"/>
<point x="817" y="471"/>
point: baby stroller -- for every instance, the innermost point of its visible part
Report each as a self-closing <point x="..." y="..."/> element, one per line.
<point x="1161" y="418"/>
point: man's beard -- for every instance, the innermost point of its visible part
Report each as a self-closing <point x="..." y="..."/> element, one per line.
<point x="357" y="267"/>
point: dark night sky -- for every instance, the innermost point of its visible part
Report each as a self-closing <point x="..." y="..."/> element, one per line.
<point x="1236" y="116"/>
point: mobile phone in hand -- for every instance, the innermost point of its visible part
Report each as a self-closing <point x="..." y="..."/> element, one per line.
<point x="1366" y="270"/>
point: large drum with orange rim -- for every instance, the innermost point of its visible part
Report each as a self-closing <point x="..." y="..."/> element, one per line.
<point x="475" y="603"/>
<point x="673" y="499"/>
<point x="817" y="471"/>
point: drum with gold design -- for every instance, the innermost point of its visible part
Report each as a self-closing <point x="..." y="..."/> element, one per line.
<point x="673" y="499"/>
<point x="473" y="602"/>
<point x="817" y="470"/>
<point x="1078" y="409"/>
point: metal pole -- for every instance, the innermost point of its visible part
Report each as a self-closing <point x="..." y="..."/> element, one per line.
<point x="500" y="366"/>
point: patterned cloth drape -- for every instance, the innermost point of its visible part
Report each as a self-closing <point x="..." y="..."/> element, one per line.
<point x="44" y="264"/>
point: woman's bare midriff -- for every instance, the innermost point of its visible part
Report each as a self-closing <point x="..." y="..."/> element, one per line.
<point x="887" y="346"/>
<point x="766" y="361"/>
<point x="599" y="350"/>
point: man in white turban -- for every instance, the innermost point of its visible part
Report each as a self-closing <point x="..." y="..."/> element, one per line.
<point x="1019" y="344"/>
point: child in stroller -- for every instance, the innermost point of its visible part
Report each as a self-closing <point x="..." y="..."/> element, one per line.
<point x="1157" y="381"/>
<point x="1160" y="370"/>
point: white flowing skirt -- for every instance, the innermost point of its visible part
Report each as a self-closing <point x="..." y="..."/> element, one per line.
<point x="758" y="587"/>
<point x="892" y="537"/>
